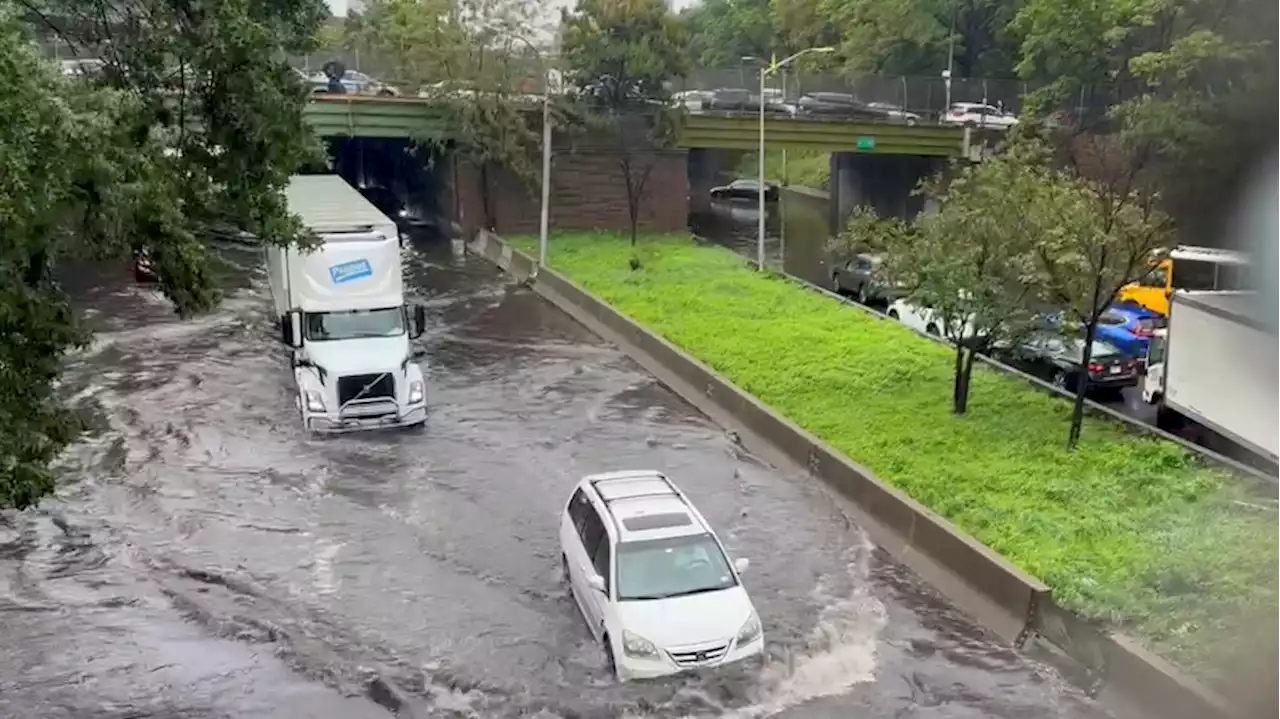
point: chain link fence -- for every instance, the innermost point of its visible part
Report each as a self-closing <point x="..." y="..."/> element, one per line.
<point x="927" y="98"/>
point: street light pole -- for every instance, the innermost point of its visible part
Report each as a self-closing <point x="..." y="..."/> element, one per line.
<point x="765" y="70"/>
<point x="550" y="85"/>
<point x="760" y="156"/>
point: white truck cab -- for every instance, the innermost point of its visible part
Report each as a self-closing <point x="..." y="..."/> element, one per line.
<point x="341" y="311"/>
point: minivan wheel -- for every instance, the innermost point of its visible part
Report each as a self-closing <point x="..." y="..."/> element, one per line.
<point x="610" y="664"/>
<point x="893" y="314"/>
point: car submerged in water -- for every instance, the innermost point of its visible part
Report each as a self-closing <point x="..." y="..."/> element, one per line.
<point x="652" y="580"/>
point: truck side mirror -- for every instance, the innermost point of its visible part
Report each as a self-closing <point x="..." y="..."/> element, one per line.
<point x="291" y="329"/>
<point x="419" y="321"/>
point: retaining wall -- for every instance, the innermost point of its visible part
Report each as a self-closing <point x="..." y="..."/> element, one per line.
<point x="1015" y="606"/>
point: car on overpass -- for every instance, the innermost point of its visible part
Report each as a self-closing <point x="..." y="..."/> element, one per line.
<point x="652" y="580"/>
<point x="979" y="114"/>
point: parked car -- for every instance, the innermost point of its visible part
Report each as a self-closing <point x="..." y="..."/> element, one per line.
<point x="652" y="579"/>
<point x="83" y="67"/>
<point x="1056" y="359"/>
<point x="860" y="277"/>
<point x="923" y="319"/>
<point x="1130" y="328"/>
<point x="745" y="190"/>
<point x="977" y="114"/>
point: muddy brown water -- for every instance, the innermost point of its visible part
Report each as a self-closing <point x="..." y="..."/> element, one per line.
<point x="206" y="558"/>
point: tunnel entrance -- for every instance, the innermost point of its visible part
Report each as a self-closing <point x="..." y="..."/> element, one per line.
<point x="408" y="182"/>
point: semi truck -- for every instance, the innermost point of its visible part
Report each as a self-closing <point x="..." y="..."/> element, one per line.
<point x="1212" y="375"/>
<point x="341" y="312"/>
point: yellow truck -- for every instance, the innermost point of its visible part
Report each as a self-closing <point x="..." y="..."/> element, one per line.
<point x="1188" y="268"/>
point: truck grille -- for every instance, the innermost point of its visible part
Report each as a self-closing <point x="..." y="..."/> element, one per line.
<point x="694" y="657"/>
<point x="384" y="387"/>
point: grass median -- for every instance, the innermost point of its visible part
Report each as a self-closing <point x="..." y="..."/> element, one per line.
<point x="1129" y="530"/>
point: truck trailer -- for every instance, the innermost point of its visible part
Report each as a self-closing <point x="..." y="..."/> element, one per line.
<point x="341" y="312"/>
<point x="1212" y="374"/>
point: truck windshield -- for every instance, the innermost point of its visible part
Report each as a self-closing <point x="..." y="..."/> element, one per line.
<point x="352" y="324"/>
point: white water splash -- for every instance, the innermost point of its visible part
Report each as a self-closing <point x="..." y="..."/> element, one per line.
<point x="840" y="651"/>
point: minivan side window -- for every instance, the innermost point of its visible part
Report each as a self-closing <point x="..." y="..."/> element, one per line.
<point x="579" y="506"/>
<point x="600" y="560"/>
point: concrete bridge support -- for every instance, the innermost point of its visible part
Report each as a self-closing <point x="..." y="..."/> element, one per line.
<point x="884" y="183"/>
<point x="707" y="169"/>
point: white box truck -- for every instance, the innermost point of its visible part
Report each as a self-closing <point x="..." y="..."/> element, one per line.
<point x="1212" y="373"/>
<point x="341" y="311"/>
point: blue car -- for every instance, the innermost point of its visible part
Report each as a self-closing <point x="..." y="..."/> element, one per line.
<point x="1129" y="328"/>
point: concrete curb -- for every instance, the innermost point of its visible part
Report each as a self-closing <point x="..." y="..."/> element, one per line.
<point x="1014" y="605"/>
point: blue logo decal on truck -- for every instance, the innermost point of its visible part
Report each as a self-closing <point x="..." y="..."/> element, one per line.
<point x="350" y="271"/>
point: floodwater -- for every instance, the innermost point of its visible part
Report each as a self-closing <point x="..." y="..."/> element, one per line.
<point x="206" y="558"/>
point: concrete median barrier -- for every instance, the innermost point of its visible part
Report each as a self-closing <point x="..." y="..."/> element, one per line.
<point x="1011" y="603"/>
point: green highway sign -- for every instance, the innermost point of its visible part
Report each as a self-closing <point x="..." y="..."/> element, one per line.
<point x="866" y="144"/>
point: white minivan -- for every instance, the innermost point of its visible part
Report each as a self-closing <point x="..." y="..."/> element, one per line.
<point x="652" y="580"/>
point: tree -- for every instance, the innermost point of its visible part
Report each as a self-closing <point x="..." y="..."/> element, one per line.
<point x="194" y="126"/>
<point x="722" y="32"/>
<point x="1093" y="237"/>
<point x="968" y="263"/>
<point x="474" y="58"/>
<point x="623" y="55"/>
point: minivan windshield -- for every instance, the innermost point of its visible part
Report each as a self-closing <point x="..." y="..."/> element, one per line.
<point x="672" y="567"/>
<point x="351" y="324"/>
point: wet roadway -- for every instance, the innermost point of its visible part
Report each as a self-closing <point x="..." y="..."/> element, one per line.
<point x="206" y="559"/>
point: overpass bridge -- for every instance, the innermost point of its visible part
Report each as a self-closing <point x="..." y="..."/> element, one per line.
<point x="875" y="164"/>
<point x="362" y="116"/>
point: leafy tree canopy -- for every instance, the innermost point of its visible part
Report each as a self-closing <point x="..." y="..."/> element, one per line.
<point x="192" y="128"/>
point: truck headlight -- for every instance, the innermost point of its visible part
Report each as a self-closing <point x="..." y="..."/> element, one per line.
<point x="750" y="630"/>
<point x="635" y="645"/>
<point x="315" y="401"/>
<point x="415" y="392"/>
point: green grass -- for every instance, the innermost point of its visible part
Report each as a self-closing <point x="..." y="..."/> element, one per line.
<point x="1125" y="529"/>
<point x="806" y="168"/>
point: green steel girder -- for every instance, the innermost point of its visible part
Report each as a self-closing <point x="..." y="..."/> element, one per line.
<point x="743" y="133"/>
<point x="395" y="117"/>
<point x="377" y="117"/>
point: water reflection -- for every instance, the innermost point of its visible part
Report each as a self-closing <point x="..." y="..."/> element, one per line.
<point x="796" y="231"/>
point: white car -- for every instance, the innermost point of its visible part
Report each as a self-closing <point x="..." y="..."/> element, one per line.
<point x="921" y="319"/>
<point x="979" y="114"/>
<point x="652" y="580"/>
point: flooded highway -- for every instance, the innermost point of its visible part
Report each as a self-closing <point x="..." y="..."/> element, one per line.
<point x="206" y="558"/>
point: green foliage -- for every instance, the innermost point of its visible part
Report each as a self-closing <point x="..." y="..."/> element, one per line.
<point x="621" y="56"/>
<point x="193" y="128"/>
<point x="722" y="32"/>
<point x="806" y="168"/>
<point x="473" y="59"/>
<point x="623" y="52"/>
<point x="1127" y="530"/>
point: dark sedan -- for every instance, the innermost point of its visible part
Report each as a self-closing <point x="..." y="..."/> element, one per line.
<point x="839" y="105"/>
<point x="745" y="190"/>
<point x="1056" y="359"/>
